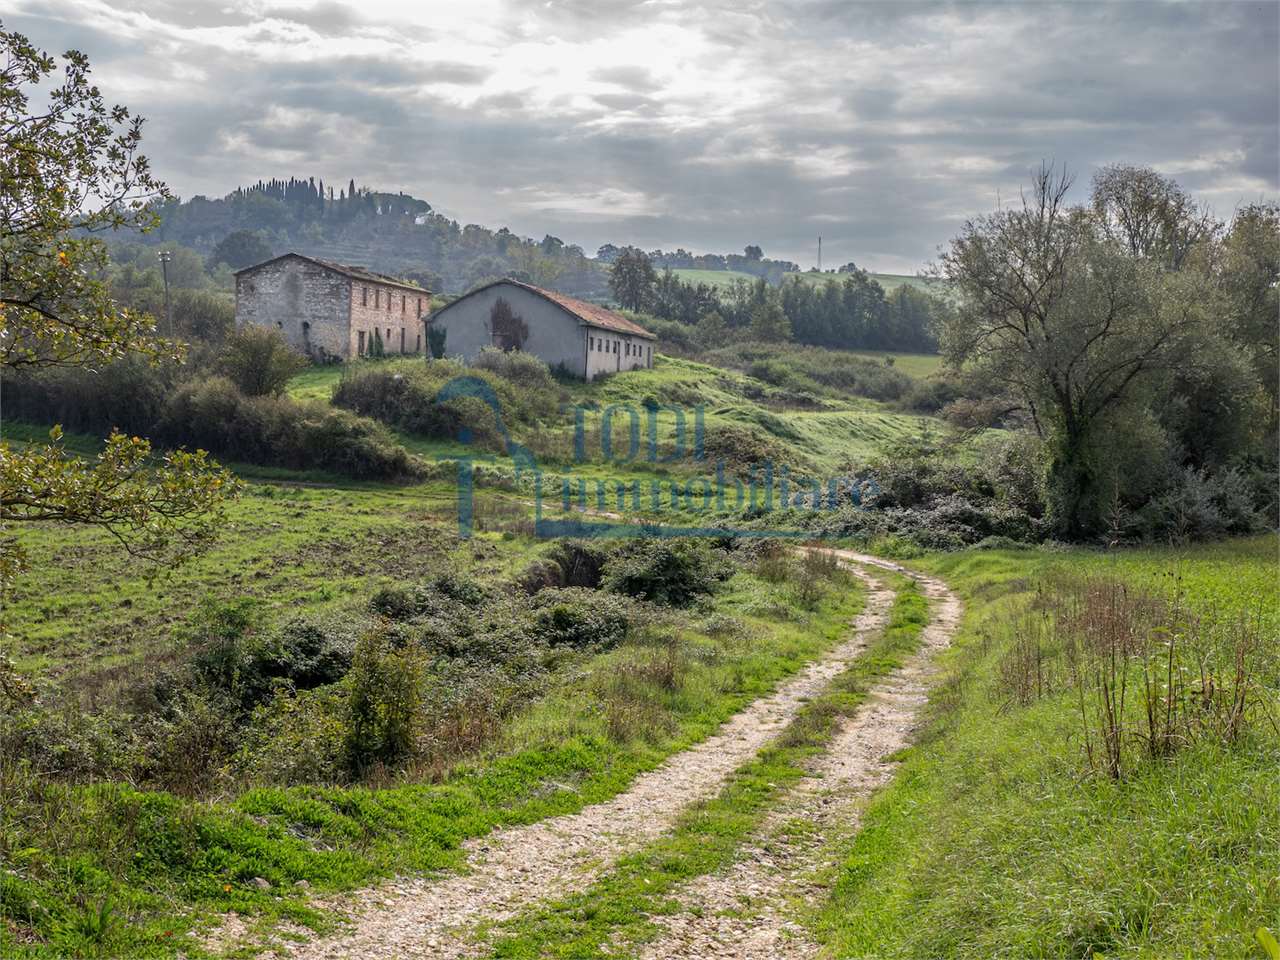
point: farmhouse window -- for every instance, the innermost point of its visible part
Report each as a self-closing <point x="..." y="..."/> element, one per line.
<point x="364" y="296"/>
<point x="388" y="336"/>
<point x="402" y="339"/>
<point x="388" y="301"/>
<point x="419" y="306"/>
<point x="377" y="298"/>
<point x="404" y="303"/>
<point x="418" y="348"/>
<point x="360" y="350"/>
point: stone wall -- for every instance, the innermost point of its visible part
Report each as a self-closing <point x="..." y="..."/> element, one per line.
<point x="304" y="301"/>
<point x="397" y="313"/>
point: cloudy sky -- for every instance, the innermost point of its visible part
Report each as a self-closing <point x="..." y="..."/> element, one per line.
<point x="702" y="124"/>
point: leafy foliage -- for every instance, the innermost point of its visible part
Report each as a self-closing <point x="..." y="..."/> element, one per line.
<point x="259" y="361"/>
<point x="674" y="572"/>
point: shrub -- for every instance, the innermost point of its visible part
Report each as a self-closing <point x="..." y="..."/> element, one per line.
<point x="128" y="394"/>
<point x="188" y="743"/>
<point x="673" y="572"/>
<point x="299" y="738"/>
<point x="576" y="617"/>
<point x="259" y="361"/>
<point x="404" y="394"/>
<point x="305" y="652"/>
<point x="522" y="369"/>
<point x="1200" y="505"/>
<point x="276" y="431"/>
<point x="383" y="702"/>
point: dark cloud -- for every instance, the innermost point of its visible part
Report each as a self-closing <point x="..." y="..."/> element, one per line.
<point x="880" y="126"/>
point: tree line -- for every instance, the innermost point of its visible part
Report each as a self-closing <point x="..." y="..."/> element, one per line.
<point x="849" y="312"/>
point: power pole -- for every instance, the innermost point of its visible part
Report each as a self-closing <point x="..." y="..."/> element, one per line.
<point x="819" y="253"/>
<point x="165" y="256"/>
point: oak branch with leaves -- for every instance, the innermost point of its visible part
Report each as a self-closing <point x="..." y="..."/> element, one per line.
<point x="69" y="170"/>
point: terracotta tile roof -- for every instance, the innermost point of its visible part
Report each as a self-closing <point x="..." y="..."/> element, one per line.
<point x="592" y="314"/>
<point x="357" y="273"/>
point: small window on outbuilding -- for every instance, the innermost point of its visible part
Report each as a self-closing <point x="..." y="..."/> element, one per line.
<point x="360" y="349"/>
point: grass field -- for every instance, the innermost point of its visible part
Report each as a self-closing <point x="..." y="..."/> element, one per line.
<point x="726" y="278"/>
<point x="993" y="841"/>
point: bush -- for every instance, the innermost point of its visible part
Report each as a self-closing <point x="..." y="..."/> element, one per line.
<point x="247" y="666"/>
<point x="383" y="702"/>
<point x="300" y="738"/>
<point x="276" y="431"/>
<point x="404" y="394"/>
<point x="673" y="572"/>
<point x="259" y="361"/>
<point x="576" y="617"/>
<point x="128" y="394"/>
<point x="1200" y="505"/>
<point x="522" y="369"/>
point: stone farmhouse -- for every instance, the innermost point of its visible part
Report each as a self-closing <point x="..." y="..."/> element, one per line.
<point x="332" y="311"/>
<point x="583" y="338"/>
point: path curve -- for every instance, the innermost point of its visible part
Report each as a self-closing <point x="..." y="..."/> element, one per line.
<point x="746" y="912"/>
<point x="514" y="868"/>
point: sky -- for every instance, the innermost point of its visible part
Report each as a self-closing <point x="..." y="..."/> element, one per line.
<point x="707" y="125"/>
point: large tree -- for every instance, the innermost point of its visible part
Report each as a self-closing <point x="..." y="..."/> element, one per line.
<point x="70" y="169"/>
<point x="632" y="279"/>
<point x="1074" y="320"/>
<point x="240" y="248"/>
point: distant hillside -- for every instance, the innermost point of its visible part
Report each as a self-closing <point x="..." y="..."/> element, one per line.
<point x="400" y="234"/>
<point x="389" y="232"/>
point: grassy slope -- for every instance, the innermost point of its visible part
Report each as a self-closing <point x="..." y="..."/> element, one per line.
<point x="990" y="842"/>
<point x="822" y="438"/>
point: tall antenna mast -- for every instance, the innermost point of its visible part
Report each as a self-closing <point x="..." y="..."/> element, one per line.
<point x="819" y="253"/>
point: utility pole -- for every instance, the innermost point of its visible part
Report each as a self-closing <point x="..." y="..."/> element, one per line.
<point x="164" y="257"/>
<point x="819" y="253"/>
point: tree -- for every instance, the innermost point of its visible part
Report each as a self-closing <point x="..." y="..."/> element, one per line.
<point x="435" y="340"/>
<point x="259" y="361"/>
<point x="712" y="331"/>
<point x="1251" y="274"/>
<point x="506" y="327"/>
<point x="69" y="169"/>
<point x="769" y="323"/>
<point x="632" y="279"/>
<point x="752" y="252"/>
<point x="241" y="248"/>
<point x="1053" y="305"/>
<point x="1149" y="214"/>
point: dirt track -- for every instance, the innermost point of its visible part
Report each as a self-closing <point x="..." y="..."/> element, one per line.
<point x="510" y="870"/>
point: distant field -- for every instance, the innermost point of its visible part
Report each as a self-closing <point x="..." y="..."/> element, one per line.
<point x="725" y="278"/>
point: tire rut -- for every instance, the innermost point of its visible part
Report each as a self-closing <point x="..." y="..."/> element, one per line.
<point x="509" y="870"/>
<point x="747" y="912"/>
